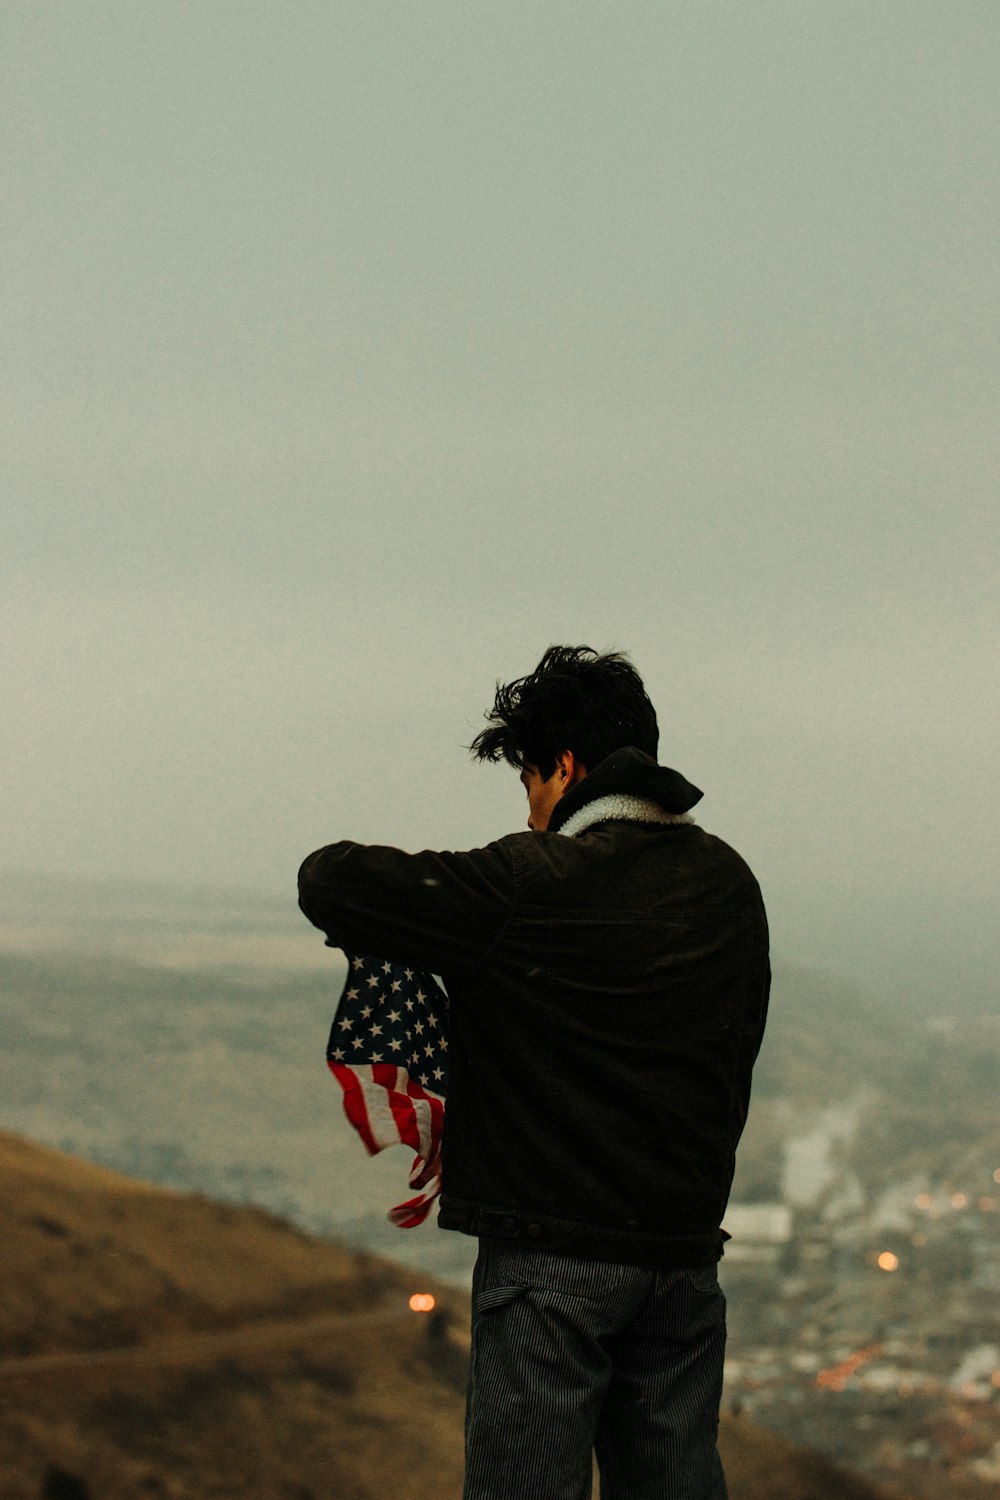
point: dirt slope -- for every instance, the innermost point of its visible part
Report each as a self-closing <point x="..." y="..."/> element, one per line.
<point x="154" y="1344"/>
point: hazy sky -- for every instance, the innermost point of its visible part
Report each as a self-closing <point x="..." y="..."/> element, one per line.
<point x="353" y="352"/>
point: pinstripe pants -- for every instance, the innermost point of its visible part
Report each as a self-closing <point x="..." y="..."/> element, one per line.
<point x="571" y="1357"/>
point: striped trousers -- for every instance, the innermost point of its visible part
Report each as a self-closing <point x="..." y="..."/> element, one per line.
<point x="572" y="1357"/>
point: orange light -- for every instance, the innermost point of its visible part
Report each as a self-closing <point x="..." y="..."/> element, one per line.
<point x="959" y="1200"/>
<point x="996" y="1175"/>
<point x="995" y="1379"/>
<point x="836" y="1379"/>
<point x="888" y="1262"/>
<point x="421" y="1302"/>
<point x="988" y="1205"/>
<point x="923" y="1200"/>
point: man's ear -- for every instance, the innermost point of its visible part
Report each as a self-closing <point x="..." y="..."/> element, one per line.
<point x="569" y="769"/>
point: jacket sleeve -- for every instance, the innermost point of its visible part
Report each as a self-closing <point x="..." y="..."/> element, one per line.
<point x="435" y="911"/>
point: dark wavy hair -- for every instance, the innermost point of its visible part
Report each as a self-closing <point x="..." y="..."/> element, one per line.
<point x="575" y="699"/>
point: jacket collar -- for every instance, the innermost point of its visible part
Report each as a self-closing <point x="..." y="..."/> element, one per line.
<point x="626" y="776"/>
<point x="623" y="807"/>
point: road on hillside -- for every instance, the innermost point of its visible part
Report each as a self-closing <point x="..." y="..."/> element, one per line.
<point x="183" y="1348"/>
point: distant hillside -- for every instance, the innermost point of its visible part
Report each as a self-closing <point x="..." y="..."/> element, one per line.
<point x="825" y="1036"/>
<point x="154" y="1344"/>
<point x="925" y="1085"/>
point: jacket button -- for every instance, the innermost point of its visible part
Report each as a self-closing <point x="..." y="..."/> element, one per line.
<point x="509" y="1225"/>
<point x="533" y="1231"/>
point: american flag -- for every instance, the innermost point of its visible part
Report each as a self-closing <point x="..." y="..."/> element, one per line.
<point x="388" y="1050"/>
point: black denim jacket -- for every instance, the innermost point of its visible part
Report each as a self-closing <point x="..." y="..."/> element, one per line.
<point x="608" y="996"/>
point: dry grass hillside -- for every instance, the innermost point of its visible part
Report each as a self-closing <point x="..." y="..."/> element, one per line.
<point x="155" y="1344"/>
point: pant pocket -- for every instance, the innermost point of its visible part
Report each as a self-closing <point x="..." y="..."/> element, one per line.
<point x="498" y="1296"/>
<point x="704" y="1279"/>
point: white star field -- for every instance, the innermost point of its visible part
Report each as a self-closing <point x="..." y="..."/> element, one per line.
<point x="395" y="1016"/>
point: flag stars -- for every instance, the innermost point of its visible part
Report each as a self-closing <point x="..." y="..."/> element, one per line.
<point x="386" y="1017"/>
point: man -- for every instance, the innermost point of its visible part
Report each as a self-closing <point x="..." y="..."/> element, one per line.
<point x="608" y="980"/>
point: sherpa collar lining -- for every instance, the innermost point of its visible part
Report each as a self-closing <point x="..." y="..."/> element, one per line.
<point x="624" y="808"/>
<point x="627" y="773"/>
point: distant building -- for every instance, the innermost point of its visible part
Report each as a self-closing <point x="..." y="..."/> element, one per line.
<point x="760" y="1232"/>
